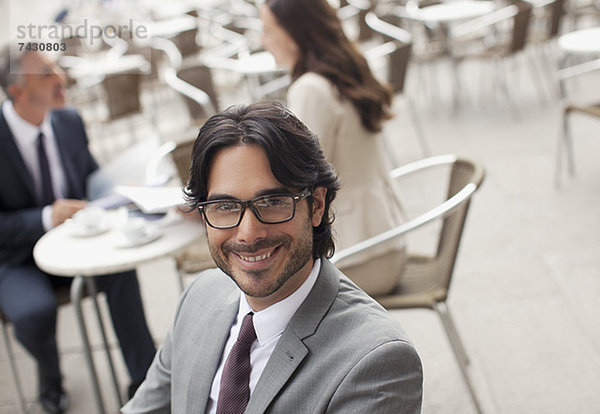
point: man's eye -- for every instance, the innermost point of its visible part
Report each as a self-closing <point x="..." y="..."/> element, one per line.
<point x="272" y="202"/>
<point x="227" y="207"/>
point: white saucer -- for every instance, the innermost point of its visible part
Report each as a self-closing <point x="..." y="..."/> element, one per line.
<point x="152" y="233"/>
<point x="77" y="230"/>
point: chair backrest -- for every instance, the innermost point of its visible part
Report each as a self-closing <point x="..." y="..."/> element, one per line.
<point x="556" y="17"/>
<point x="520" y="26"/>
<point x="73" y="45"/>
<point x="156" y="57"/>
<point x="465" y="177"/>
<point x="399" y="56"/>
<point x="122" y="94"/>
<point x="186" y="43"/>
<point x="200" y="77"/>
<point x="182" y="157"/>
<point x="463" y="172"/>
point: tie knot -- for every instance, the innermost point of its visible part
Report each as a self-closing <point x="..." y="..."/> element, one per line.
<point x="247" y="333"/>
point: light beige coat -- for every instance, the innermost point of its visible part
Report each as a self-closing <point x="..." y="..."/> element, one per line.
<point x="366" y="204"/>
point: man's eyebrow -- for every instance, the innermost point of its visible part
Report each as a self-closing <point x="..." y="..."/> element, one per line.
<point x="268" y="191"/>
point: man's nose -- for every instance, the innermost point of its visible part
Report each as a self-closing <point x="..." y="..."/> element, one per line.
<point x="250" y="228"/>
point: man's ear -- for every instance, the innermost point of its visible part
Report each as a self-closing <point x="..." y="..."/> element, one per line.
<point x="14" y="91"/>
<point x="318" y="205"/>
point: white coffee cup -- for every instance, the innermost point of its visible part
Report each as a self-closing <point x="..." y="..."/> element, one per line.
<point x="89" y="218"/>
<point x="134" y="229"/>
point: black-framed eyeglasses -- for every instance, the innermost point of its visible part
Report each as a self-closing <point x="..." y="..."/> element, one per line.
<point x="268" y="209"/>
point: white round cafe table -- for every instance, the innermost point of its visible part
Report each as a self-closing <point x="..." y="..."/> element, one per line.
<point x="451" y="11"/>
<point x="581" y="41"/>
<point x="260" y="63"/>
<point x="104" y="65"/>
<point x="61" y="253"/>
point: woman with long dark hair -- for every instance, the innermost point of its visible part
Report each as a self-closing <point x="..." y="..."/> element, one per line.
<point x="336" y="95"/>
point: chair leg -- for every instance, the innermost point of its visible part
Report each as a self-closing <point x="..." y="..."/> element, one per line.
<point x="502" y="73"/>
<point x="458" y="349"/>
<point x="13" y="367"/>
<point x="537" y="73"/>
<point x="457" y="87"/>
<point x="559" y="157"/>
<point x="452" y="332"/>
<point x="418" y="127"/>
<point x="568" y="145"/>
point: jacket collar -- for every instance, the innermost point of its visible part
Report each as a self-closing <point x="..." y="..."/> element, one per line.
<point x="291" y="350"/>
<point x="207" y="358"/>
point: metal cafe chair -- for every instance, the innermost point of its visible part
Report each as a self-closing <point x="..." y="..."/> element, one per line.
<point x="425" y="280"/>
<point x="63" y="297"/>
<point x="591" y="109"/>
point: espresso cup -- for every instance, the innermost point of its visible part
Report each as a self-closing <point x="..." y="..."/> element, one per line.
<point x="134" y="229"/>
<point x="89" y="218"/>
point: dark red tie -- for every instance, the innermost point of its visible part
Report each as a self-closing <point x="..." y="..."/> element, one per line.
<point x="47" y="191"/>
<point x="234" y="392"/>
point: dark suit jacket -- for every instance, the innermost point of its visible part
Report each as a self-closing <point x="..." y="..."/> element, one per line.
<point x="20" y="214"/>
<point x="340" y="353"/>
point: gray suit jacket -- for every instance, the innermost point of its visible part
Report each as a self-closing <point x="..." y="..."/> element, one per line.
<point x="340" y="353"/>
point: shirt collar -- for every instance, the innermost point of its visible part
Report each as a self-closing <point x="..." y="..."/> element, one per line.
<point x="24" y="131"/>
<point x="271" y="322"/>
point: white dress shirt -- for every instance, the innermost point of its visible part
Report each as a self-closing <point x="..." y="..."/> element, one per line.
<point x="25" y="135"/>
<point x="269" y="324"/>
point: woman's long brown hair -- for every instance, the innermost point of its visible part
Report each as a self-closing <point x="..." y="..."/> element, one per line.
<point x="326" y="50"/>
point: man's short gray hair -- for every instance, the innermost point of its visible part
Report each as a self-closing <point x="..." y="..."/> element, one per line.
<point x="10" y="68"/>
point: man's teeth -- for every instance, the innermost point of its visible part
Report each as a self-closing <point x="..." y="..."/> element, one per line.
<point x="256" y="258"/>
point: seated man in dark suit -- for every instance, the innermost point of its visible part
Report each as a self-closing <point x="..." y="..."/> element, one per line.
<point x="44" y="164"/>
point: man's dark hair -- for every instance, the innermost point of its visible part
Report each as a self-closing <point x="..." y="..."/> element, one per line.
<point x="294" y="154"/>
<point x="325" y="49"/>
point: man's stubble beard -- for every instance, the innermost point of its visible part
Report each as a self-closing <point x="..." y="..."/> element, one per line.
<point x="297" y="259"/>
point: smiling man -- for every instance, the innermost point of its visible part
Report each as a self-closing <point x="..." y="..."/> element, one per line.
<point x="277" y="328"/>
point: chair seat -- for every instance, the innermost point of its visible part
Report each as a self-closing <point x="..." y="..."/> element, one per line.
<point x="419" y="285"/>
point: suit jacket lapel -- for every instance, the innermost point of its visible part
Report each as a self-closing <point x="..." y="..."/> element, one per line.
<point x="209" y="353"/>
<point x="291" y="350"/>
<point x="9" y="147"/>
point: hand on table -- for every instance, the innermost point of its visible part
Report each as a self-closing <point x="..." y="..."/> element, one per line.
<point x="63" y="209"/>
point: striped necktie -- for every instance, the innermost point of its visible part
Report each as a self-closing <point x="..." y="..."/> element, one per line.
<point x="234" y="391"/>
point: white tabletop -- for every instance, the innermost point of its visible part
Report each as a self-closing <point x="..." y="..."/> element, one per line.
<point x="61" y="253"/>
<point x="452" y="11"/>
<point x="254" y="64"/>
<point x="105" y="65"/>
<point x="581" y="41"/>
